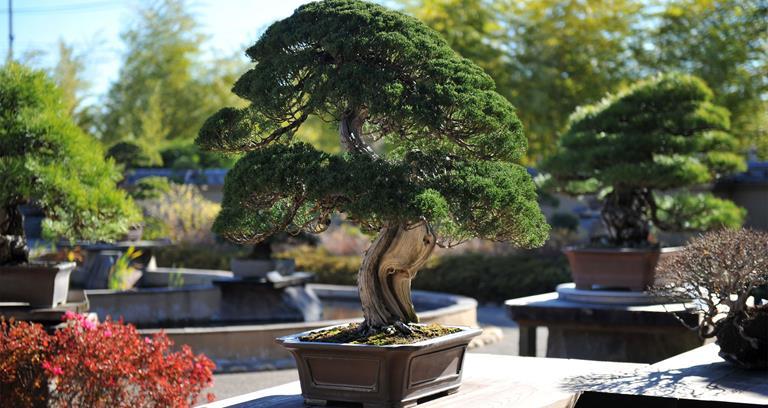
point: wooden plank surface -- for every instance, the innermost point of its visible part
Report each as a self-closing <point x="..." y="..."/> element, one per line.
<point x="489" y="381"/>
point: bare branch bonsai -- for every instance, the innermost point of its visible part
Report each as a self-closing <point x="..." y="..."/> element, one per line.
<point x="719" y="271"/>
<point x="448" y="173"/>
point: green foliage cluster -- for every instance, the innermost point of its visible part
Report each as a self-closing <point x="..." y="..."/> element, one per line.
<point x="130" y="155"/>
<point x="187" y="155"/>
<point x="660" y="134"/>
<point x="723" y="42"/>
<point x="46" y="159"/>
<point x="150" y="188"/>
<point x="550" y="56"/>
<point x="165" y="88"/>
<point x="546" y="56"/>
<point x="207" y="256"/>
<point x="495" y="278"/>
<point x="453" y="138"/>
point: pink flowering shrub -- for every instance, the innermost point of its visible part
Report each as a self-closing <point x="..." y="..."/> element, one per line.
<point x="89" y="364"/>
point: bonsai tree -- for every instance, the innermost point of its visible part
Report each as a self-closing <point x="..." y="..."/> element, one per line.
<point x="130" y="155"/>
<point x="46" y="160"/>
<point x="720" y="271"/>
<point x="447" y="173"/>
<point x="660" y="135"/>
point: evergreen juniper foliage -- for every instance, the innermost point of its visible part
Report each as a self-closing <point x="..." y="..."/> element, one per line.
<point x="453" y="139"/>
<point x="46" y="159"/>
<point x="661" y="135"/>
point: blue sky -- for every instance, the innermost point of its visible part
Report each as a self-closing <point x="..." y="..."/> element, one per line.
<point x="94" y="26"/>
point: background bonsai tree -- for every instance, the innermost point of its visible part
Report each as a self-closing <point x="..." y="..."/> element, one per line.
<point x="45" y="159"/>
<point x="446" y="173"/>
<point x="660" y="135"/>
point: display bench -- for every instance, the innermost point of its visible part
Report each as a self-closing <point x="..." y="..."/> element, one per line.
<point x="696" y="379"/>
<point x="604" y="331"/>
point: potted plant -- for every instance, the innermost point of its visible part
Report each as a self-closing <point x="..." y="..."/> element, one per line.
<point x="48" y="161"/>
<point x="444" y="173"/>
<point x="638" y="150"/>
<point x="724" y="273"/>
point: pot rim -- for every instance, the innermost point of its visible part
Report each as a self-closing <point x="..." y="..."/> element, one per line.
<point x="292" y="340"/>
<point x="614" y="250"/>
<point x="37" y="264"/>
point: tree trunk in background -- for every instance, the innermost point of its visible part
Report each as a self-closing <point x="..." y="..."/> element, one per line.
<point x="384" y="279"/>
<point x="625" y="214"/>
<point x="13" y="244"/>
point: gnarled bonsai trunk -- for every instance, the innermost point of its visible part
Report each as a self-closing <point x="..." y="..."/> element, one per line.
<point x="384" y="279"/>
<point x="13" y="244"/>
<point x="394" y="257"/>
<point x="625" y="214"/>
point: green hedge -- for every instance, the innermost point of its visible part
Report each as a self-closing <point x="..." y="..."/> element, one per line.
<point x="494" y="278"/>
<point x="487" y="278"/>
<point x="198" y="256"/>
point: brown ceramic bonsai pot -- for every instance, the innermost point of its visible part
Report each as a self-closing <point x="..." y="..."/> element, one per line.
<point x="615" y="268"/>
<point x="43" y="284"/>
<point x="379" y="376"/>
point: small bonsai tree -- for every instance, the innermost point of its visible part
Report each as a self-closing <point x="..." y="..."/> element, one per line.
<point x="448" y="174"/>
<point x="720" y="270"/>
<point x="130" y="155"/>
<point x="660" y="135"/>
<point x="45" y="159"/>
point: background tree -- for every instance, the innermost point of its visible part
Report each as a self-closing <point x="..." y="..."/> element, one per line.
<point x="724" y="42"/>
<point x="546" y="56"/>
<point x="47" y="160"/>
<point x="661" y="134"/>
<point x="160" y="49"/>
<point x="165" y="88"/>
<point x="448" y="175"/>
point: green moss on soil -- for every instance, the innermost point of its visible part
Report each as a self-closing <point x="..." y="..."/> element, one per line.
<point x="350" y="334"/>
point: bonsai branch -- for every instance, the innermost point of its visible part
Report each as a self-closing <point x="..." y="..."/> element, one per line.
<point x="351" y="132"/>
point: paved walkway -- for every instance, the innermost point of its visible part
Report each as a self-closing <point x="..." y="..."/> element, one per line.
<point x="230" y="385"/>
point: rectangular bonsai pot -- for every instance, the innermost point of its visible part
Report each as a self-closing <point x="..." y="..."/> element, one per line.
<point x="379" y="376"/>
<point x="615" y="268"/>
<point x="41" y="284"/>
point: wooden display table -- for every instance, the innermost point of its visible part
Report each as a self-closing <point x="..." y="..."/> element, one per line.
<point x="489" y="381"/>
<point x="695" y="379"/>
<point x="606" y="332"/>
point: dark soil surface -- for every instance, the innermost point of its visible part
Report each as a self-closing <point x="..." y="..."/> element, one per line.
<point x="351" y="334"/>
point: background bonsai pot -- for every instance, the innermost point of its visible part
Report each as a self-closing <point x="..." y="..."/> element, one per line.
<point x="39" y="284"/>
<point x="381" y="376"/>
<point x="616" y="268"/>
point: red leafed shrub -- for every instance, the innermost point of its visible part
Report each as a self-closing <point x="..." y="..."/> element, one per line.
<point x="88" y="364"/>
